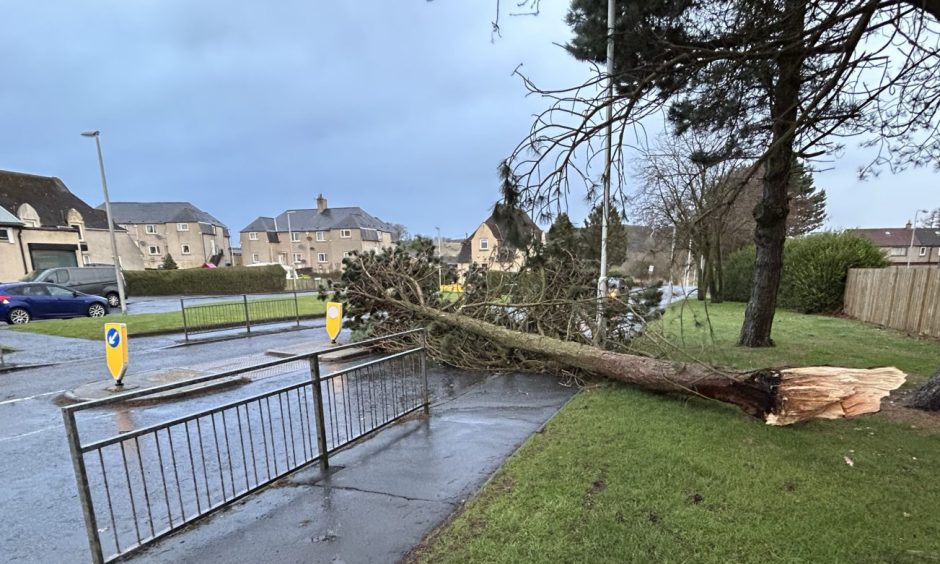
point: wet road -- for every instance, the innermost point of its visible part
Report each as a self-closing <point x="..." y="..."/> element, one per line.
<point x="40" y="517"/>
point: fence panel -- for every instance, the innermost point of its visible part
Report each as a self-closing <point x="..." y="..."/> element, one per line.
<point x="216" y="313"/>
<point x="138" y="485"/>
<point x="906" y="299"/>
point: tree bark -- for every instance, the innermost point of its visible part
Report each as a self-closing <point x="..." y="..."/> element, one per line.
<point x="778" y="397"/>
<point x="771" y="212"/>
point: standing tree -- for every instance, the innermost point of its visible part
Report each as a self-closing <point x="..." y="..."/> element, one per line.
<point x="168" y="263"/>
<point x="807" y="203"/>
<point x="931" y="220"/>
<point x="616" y="236"/>
<point x="562" y="240"/>
<point x="777" y="79"/>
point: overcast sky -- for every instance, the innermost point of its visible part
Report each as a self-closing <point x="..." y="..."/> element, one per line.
<point x="404" y="108"/>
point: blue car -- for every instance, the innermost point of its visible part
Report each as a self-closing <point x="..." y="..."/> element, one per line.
<point x="24" y="301"/>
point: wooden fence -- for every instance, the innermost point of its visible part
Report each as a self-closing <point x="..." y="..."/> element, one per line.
<point x="907" y="299"/>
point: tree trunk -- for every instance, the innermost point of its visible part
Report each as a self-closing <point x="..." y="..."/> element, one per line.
<point x="771" y="212"/>
<point x="716" y="274"/>
<point x="779" y="397"/>
<point x="927" y="397"/>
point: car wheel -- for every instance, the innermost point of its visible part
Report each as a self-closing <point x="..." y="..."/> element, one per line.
<point x="96" y="310"/>
<point x="113" y="300"/>
<point x="18" y="316"/>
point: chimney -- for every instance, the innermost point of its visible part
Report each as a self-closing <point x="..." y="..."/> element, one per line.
<point x="906" y="226"/>
<point x="321" y="203"/>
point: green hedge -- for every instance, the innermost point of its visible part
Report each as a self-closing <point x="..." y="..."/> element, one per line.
<point x="814" y="271"/>
<point x="206" y="281"/>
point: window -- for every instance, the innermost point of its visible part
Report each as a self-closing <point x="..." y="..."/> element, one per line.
<point x="898" y="251"/>
<point x="57" y="291"/>
<point x="81" y="232"/>
<point x="321" y="236"/>
<point x="153" y="250"/>
<point x="294" y="236"/>
<point x="321" y="257"/>
<point x="923" y="251"/>
<point x="298" y="258"/>
<point x="484" y="244"/>
<point x="182" y="227"/>
<point x="150" y="229"/>
<point x="5" y="235"/>
<point x="186" y="250"/>
<point x="253" y="236"/>
<point x="345" y="234"/>
<point x="255" y="257"/>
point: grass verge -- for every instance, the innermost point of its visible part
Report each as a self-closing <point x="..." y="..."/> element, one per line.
<point x="157" y="323"/>
<point x="620" y="475"/>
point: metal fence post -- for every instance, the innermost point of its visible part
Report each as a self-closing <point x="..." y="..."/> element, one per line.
<point x="84" y="493"/>
<point x="424" y="370"/>
<point x="321" y="423"/>
<point x="185" y="327"/>
<point x="247" y="317"/>
<point x="296" y="308"/>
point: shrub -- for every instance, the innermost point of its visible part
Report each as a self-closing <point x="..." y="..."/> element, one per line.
<point x="814" y="271"/>
<point x="203" y="281"/>
<point x="816" y="266"/>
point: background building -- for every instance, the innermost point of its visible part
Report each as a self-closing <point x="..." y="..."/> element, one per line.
<point x="43" y="225"/>
<point x="488" y="245"/>
<point x="896" y="243"/>
<point x="191" y="236"/>
<point x="317" y="238"/>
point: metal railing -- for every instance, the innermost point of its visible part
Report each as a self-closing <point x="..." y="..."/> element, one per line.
<point x="245" y="310"/>
<point x="142" y="484"/>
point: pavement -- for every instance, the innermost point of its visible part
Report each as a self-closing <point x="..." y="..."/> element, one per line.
<point x="385" y="494"/>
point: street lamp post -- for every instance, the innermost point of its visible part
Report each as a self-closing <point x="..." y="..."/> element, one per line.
<point x="107" y="210"/>
<point x="910" y="250"/>
<point x="440" y="257"/>
<point x="600" y="332"/>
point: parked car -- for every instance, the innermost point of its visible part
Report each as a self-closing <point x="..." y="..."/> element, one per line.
<point x="95" y="280"/>
<point x="21" y="302"/>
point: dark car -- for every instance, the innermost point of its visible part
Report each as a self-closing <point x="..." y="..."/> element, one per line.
<point x="22" y="302"/>
<point x="96" y="280"/>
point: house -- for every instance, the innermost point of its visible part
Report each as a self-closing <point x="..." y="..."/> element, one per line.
<point x="180" y="229"/>
<point x="43" y="225"/>
<point x="488" y="245"/>
<point x="896" y="243"/>
<point x="315" y="238"/>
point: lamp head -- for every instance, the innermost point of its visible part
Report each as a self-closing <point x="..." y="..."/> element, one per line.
<point x="94" y="133"/>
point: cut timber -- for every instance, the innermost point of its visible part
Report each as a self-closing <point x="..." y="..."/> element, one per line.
<point x="829" y="392"/>
<point x="779" y="397"/>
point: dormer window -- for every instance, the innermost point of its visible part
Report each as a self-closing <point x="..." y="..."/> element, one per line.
<point x="28" y="215"/>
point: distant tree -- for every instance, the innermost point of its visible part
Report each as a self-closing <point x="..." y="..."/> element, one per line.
<point x="931" y="220"/>
<point x="168" y="263"/>
<point x="807" y="203"/>
<point x="562" y="239"/>
<point x="616" y="236"/>
<point x="399" y="232"/>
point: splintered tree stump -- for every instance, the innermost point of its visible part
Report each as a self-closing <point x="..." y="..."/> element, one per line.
<point x="927" y="397"/>
<point x="778" y="397"/>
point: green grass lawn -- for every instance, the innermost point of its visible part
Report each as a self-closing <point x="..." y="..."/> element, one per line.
<point x="155" y="323"/>
<point x="621" y="475"/>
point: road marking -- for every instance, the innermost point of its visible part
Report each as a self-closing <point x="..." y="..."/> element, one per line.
<point x="15" y="400"/>
<point x="50" y="428"/>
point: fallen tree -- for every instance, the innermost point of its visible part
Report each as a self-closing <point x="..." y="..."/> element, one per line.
<point x="394" y="290"/>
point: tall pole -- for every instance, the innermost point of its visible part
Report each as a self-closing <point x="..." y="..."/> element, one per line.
<point x="107" y="211"/>
<point x="601" y="333"/>
<point x="290" y="242"/>
<point x="910" y="249"/>
<point x="440" y="257"/>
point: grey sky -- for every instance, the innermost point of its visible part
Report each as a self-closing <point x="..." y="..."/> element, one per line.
<point x="246" y="108"/>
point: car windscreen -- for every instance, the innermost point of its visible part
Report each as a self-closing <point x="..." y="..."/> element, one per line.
<point x="31" y="276"/>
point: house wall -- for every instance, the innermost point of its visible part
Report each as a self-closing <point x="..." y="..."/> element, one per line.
<point x="170" y="240"/>
<point x="490" y="256"/>
<point x="99" y="249"/>
<point x="931" y="256"/>
<point x="335" y="246"/>
<point x="11" y="258"/>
